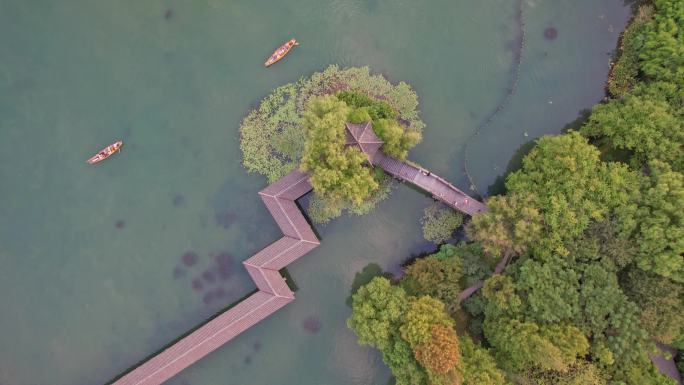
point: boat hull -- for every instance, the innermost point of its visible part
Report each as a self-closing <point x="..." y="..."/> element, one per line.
<point x="280" y="53"/>
<point x="105" y="152"/>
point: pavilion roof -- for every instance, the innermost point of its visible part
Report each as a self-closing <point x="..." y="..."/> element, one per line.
<point x="363" y="137"/>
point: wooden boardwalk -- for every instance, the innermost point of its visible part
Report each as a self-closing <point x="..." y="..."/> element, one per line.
<point x="434" y="184"/>
<point x="298" y="239"/>
<point x="263" y="267"/>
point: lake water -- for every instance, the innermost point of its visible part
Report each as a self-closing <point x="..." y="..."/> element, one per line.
<point x="92" y="273"/>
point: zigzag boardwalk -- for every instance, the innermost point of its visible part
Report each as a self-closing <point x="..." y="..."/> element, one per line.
<point x="264" y="266"/>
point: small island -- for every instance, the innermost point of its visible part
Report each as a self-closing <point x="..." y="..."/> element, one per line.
<point x="302" y="125"/>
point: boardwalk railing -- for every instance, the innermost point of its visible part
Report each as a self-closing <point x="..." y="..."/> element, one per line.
<point x="434" y="184"/>
<point x="273" y="293"/>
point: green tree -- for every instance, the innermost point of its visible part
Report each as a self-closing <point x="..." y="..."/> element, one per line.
<point x="571" y="342"/>
<point x="662" y="55"/>
<point x="512" y="225"/>
<point x="337" y="172"/>
<point x="398" y="140"/>
<point x="623" y="75"/>
<point x="399" y="357"/>
<point x="358" y="115"/>
<point x="638" y="373"/>
<point x="377" y="310"/>
<point x="421" y="315"/>
<point x="519" y="345"/>
<point x="600" y="298"/>
<point x="610" y="319"/>
<point x="478" y="366"/>
<point x="604" y="242"/>
<point x="641" y="123"/>
<point x="499" y="291"/>
<point x="474" y="267"/>
<point x="376" y="109"/>
<point x="660" y="301"/>
<point x="434" y="277"/>
<point x="659" y="223"/>
<point x="572" y="188"/>
<point x="580" y="374"/>
<point x="550" y="290"/>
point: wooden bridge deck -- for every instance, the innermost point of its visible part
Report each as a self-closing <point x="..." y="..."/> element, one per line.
<point x="263" y="267"/>
<point x="434" y="184"/>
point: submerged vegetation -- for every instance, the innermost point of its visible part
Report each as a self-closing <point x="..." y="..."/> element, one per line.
<point x="303" y="123"/>
<point x="594" y="224"/>
<point x="439" y="223"/>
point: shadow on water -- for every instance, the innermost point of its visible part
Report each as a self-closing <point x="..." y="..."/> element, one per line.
<point x="304" y="201"/>
<point x="288" y="279"/>
<point x="515" y="164"/>
<point x="575" y="125"/>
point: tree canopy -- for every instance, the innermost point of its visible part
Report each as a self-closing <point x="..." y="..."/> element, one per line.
<point x="435" y="277"/>
<point x="649" y="127"/>
<point x="337" y="172"/>
<point x="659" y="222"/>
<point x="593" y="221"/>
<point x="377" y="309"/>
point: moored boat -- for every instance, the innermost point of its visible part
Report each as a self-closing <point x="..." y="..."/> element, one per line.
<point x="281" y="52"/>
<point x="106" y="152"/>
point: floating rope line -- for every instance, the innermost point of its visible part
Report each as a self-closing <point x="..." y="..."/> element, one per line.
<point x="520" y="21"/>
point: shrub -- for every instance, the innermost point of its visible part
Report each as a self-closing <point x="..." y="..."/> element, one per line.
<point x="623" y="74"/>
<point x="439" y="223"/>
<point x="359" y="115"/>
<point x="271" y="138"/>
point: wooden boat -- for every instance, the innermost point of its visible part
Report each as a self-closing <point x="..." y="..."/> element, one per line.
<point x="281" y="52"/>
<point x="105" y="153"/>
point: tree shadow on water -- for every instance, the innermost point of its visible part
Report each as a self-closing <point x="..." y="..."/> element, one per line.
<point x="515" y="164"/>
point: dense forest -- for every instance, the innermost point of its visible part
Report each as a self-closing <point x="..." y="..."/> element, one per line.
<point x="593" y="225"/>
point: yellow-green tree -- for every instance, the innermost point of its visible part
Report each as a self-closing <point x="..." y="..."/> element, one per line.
<point x="478" y="366"/>
<point x="337" y="172"/>
<point x="512" y="225"/>
<point x="659" y="223"/>
<point x="377" y="310"/>
<point x="644" y="123"/>
<point x="435" y="277"/>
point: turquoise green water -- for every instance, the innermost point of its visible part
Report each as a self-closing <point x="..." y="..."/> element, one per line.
<point x="91" y="272"/>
